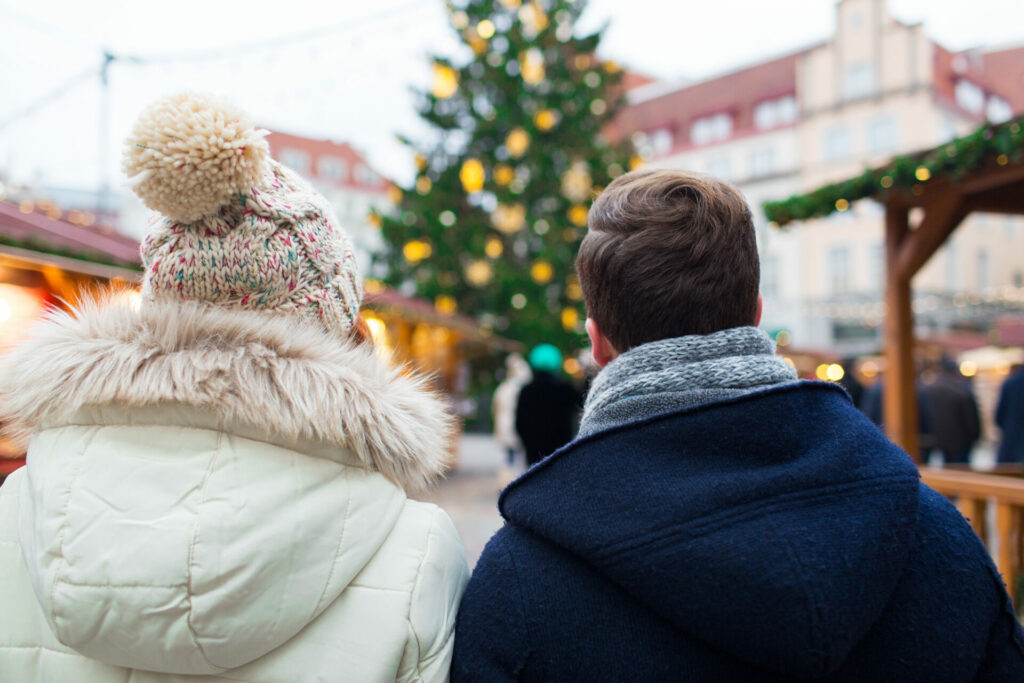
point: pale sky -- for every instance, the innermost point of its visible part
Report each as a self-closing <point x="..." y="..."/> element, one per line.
<point x="343" y="70"/>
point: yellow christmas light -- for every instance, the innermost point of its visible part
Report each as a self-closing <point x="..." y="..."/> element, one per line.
<point x="541" y="272"/>
<point x="922" y="173"/>
<point x="460" y="20"/>
<point x="574" y="292"/>
<point x="421" y="162"/>
<point x="446" y="305"/>
<point x="635" y="162"/>
<point x="504" y="174"/>
<point x="423" y="184"/>
<point x="572" y="367"/>
<point x="472" y="175"/>
<point x="581" y="62"/>
<point x="545" y="120"/>
<point x="570" y="318"/>
<point x="485" y="29"/>
<point x="374" y="219"/>
<point x="577" y="214"/>
<point x="533" y="17"/>
<point x="886" y="181"/>
<point x="494" y="247"/>
<point x="576" y="182"/>
<point x="479" y="273"/>
<point x="394" y="194"/>
<point x="509" y="218"/>
<point x="531" y="66"/>
<point x="416" y="250"/>
<point x="477" y="44"/>
<point x="512" y="4"/>
<point x="446" y="81"/>
<point x="835" y="372"/>
<point x="517" y="142"/>
<point x="842" y="204"/>
<point x="611" y="67"/>
<point x="371" y="286"/>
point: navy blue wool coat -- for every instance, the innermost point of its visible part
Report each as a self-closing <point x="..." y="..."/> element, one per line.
<point x="775" y="537"/>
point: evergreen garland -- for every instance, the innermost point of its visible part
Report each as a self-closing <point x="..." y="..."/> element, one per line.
<point x="991" y="144"/>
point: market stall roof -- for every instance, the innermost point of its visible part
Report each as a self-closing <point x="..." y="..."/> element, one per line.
<point x="978" y="160"/>
<point x="983" y="171"/>
<point x="421" y="310"/>
<point x="27" y="231"/>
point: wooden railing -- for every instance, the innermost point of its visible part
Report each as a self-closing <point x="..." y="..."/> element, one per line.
<point x="973" y="492"/>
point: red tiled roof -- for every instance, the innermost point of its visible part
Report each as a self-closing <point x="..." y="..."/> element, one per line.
<point x="1004" y="73"/>
<point x="737" y="93"/>
<point x="327" y="148"/>
<point x="39" y="232"/>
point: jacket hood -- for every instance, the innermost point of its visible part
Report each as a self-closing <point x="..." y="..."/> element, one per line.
<point x="202" y="484"/>
<point x="275" y="374"/>
<point x="773" y="527"/>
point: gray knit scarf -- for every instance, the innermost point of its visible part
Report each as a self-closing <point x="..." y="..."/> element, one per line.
<point x="670" y="374"/>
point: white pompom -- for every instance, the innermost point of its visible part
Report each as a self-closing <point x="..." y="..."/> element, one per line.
<point x="190" y="154"/>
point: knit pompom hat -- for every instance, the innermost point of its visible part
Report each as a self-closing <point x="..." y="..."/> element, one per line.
<point x="232" y="226"/>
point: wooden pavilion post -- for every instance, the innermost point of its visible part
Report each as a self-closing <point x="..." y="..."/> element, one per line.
<point x="899" y="397"/>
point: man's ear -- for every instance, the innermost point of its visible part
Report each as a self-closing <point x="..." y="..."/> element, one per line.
<point x="760" y="304"/>
<point x="604" y="352"/>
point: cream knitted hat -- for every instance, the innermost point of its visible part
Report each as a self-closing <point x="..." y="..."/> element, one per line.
<point x="234" y="227"/>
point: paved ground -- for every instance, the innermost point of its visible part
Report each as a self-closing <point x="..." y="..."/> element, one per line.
<point x="470" y="493"/>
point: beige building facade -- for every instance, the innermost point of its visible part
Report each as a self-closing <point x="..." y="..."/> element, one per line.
<point x="876" y="88"/>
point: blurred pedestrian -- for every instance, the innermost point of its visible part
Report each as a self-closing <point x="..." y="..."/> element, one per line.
<point x="1010" y="418"/>
<point x="717" y="520"/>
<point x="954" y="412"/>
<point x="850" y="382"/>
<point x="548" y="407"/>
<point x="503" y="412"/>
<point x="216" y="479"/>
<point x="872" y="405"/>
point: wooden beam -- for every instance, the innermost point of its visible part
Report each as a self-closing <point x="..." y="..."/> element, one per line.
<point x="899" y="396"/>
<point x="1007" y="199"/>
<point x="941" y="218"/>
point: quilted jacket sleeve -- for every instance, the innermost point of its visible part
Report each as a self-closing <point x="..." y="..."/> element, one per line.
<point x="490" y="635"/>
<point x="435" y="600"/>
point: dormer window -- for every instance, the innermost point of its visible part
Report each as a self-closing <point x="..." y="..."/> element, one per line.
<point x="776" y="112"/>
<point x="711" y="129"/>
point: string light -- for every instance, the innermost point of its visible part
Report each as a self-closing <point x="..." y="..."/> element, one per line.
<point x="577" y="215"/>
<point x="446" y="82"/>
<point x="541" y="272"/>
<point x="545" y="120"/>
<point x="479" y="273"/>
<point x="446" y="305"/>
<point x="493" y="248"/>
<point x="509" y="218"/>
<point x="472" y="175"/>
<point x="517" y="142"/>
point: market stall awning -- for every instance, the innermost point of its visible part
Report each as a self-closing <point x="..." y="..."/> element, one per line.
<point x="983" y="171"/>
<point x="24" y="228"/>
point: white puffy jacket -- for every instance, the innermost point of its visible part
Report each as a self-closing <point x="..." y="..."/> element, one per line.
<point x="220" y="493"/>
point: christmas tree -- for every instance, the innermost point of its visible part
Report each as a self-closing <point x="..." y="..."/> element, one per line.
<point x="492" y="223"/>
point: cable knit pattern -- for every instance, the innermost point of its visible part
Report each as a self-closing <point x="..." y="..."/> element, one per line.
<point x="272" y="245"/>
<point x="670" y="374"/>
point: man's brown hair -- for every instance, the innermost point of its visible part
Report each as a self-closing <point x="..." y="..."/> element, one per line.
<point x="668" y="254"/>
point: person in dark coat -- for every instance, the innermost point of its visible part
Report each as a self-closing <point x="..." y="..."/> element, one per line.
<point x="1010" y="418"/>
<point x="716" y="519"/>
<point x="547" y="408"/>
<point x="954" y="411"/>
<point x="872" y="405"/>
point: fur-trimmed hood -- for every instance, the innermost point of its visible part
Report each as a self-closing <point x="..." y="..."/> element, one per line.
<point x="276" y="376"/>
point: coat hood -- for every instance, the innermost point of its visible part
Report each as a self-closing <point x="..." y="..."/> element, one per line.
<point x="774" y="526"/>
<point x="275" y="374"/>
<point x="202" y="484"/>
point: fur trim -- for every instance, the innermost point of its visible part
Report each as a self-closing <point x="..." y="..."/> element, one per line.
<point x="278" y="374"/>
